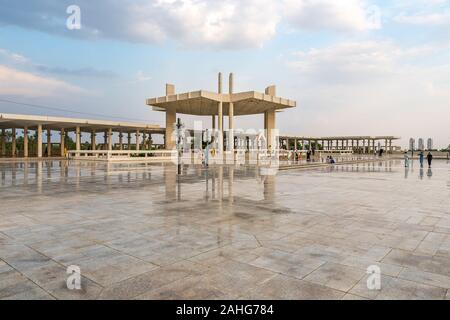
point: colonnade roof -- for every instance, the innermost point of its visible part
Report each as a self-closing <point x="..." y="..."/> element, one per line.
<point x="204" y="103"/>
<point x="284" y="136"/>
<point x="8" y="121"/>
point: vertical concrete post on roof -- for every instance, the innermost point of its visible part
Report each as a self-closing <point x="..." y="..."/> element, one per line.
<point x="49" y="142"/>
<point x="220" y="113"/>
<point x="120" y="140"/>
<point x="39" y="140"/>
<point x="25" y="142"/>
<point x="137" y="139"/>
<point x="269" y="120"/>
<point x="13" y="142"/>
<point x="3" y="143"/>
<point x="110" y="139"/>
<point x="77" y="139"/>
<point x="62" y="143"/>
<point x="93" y="143"/>
<point x="171" y="118"/>
<point x="231" y="114"/>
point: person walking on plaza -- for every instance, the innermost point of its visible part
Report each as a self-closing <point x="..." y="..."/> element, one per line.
<point x="406" y="159"/>
<point x="421" y="159"/>
<point x="429" y="158"/>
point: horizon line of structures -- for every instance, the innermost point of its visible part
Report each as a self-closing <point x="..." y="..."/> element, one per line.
<point x="34" y="146"/>
<point x="27" y="146"/>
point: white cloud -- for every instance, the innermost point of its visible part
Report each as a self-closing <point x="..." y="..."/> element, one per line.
<point x="20" y="83"/>
<point x="13" y="57"/>
<point x="140" y="76"/>
<point x="346" y="15"/>
<point x="372" y="87"/>
<point x="430" y="19"/>
<point x="226" y="24"/>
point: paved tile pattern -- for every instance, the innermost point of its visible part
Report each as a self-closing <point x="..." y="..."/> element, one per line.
<point x="137" y="232"/>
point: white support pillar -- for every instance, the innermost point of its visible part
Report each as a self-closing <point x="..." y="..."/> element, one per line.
<point x="129" y="141"/>
<point x="49" y="143"/>
<point x="137" y="139"/>
<point x="13" y="143"/>
<point x="62" y="143"/>
<point x="39" y="140"/>
<point x="77" y="139"/>
<point x="93" y="142"/>
<point x="220" y="114"/>
<point x="230" y="114"/>
<point x="110" y="139"/>
<point x="105" y="140"/>
<point x="25" y="142"/>
<point x="3" y="143"/>
<point x="120" y="140"/>
<point x="143" y="140"/>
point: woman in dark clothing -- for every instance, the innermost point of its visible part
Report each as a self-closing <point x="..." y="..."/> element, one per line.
<point x="429" y="158"/>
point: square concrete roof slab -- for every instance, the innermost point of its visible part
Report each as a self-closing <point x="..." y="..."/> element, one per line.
<point x="204" y="103"/>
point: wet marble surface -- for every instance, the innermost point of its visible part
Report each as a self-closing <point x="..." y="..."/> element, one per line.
<point x="139" y="232"/>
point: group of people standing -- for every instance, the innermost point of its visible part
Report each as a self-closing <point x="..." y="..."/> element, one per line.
<point x="421" y="159"/>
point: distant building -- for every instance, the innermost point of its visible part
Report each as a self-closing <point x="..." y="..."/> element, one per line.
<point x="430" y="144"/>
<point x="421" y="146"/>
<point x="412" y="143"/>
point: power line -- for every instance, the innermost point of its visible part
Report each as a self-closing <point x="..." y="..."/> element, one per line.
<point x="65" y="110"/>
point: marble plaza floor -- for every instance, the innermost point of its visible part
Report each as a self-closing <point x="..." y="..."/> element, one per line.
<point x="137" y="232"/>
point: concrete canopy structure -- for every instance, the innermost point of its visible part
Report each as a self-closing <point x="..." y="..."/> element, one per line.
<point x="361" y="144"/>
<point x="64" y="125"/>
<point x="207" y="103"/>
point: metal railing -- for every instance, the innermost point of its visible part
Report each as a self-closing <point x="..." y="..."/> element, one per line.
<point x="122" y="154"/>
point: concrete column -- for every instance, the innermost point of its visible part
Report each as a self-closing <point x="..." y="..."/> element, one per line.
<point x="364" y="145"/>
<point x="386" y="145"/>
<point x="373" y="145"/>
<point x="49" y="143"/>
<point x="213" y="122"/>
<point x="346" y="144"/>
<point x="110" y="139"/>
<point x="390" y="145"/>
<point x="137" y="139"/>
<point x="77" y="139"/>
<point x="93" y="142"/>
<point x="269" y="126"/>
<point x="295" y="144"/>
<point x="220" y="113"/>
<point x="171" y="118"/>
<point x="3" y="143"/>
<point x="13" y="142"/>
<point x="120" y="140"/>
<point x="25" y="142"/>
<point x="230" y="114"/>
<point x="39" y="140"/>
<point x="129" y="140"/>
<point x="143" y="140"/>
<point x="105" y="140"/>
<point x="62" y="142"/>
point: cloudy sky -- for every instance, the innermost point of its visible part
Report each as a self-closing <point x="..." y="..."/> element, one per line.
<point x="355" y="67"/>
